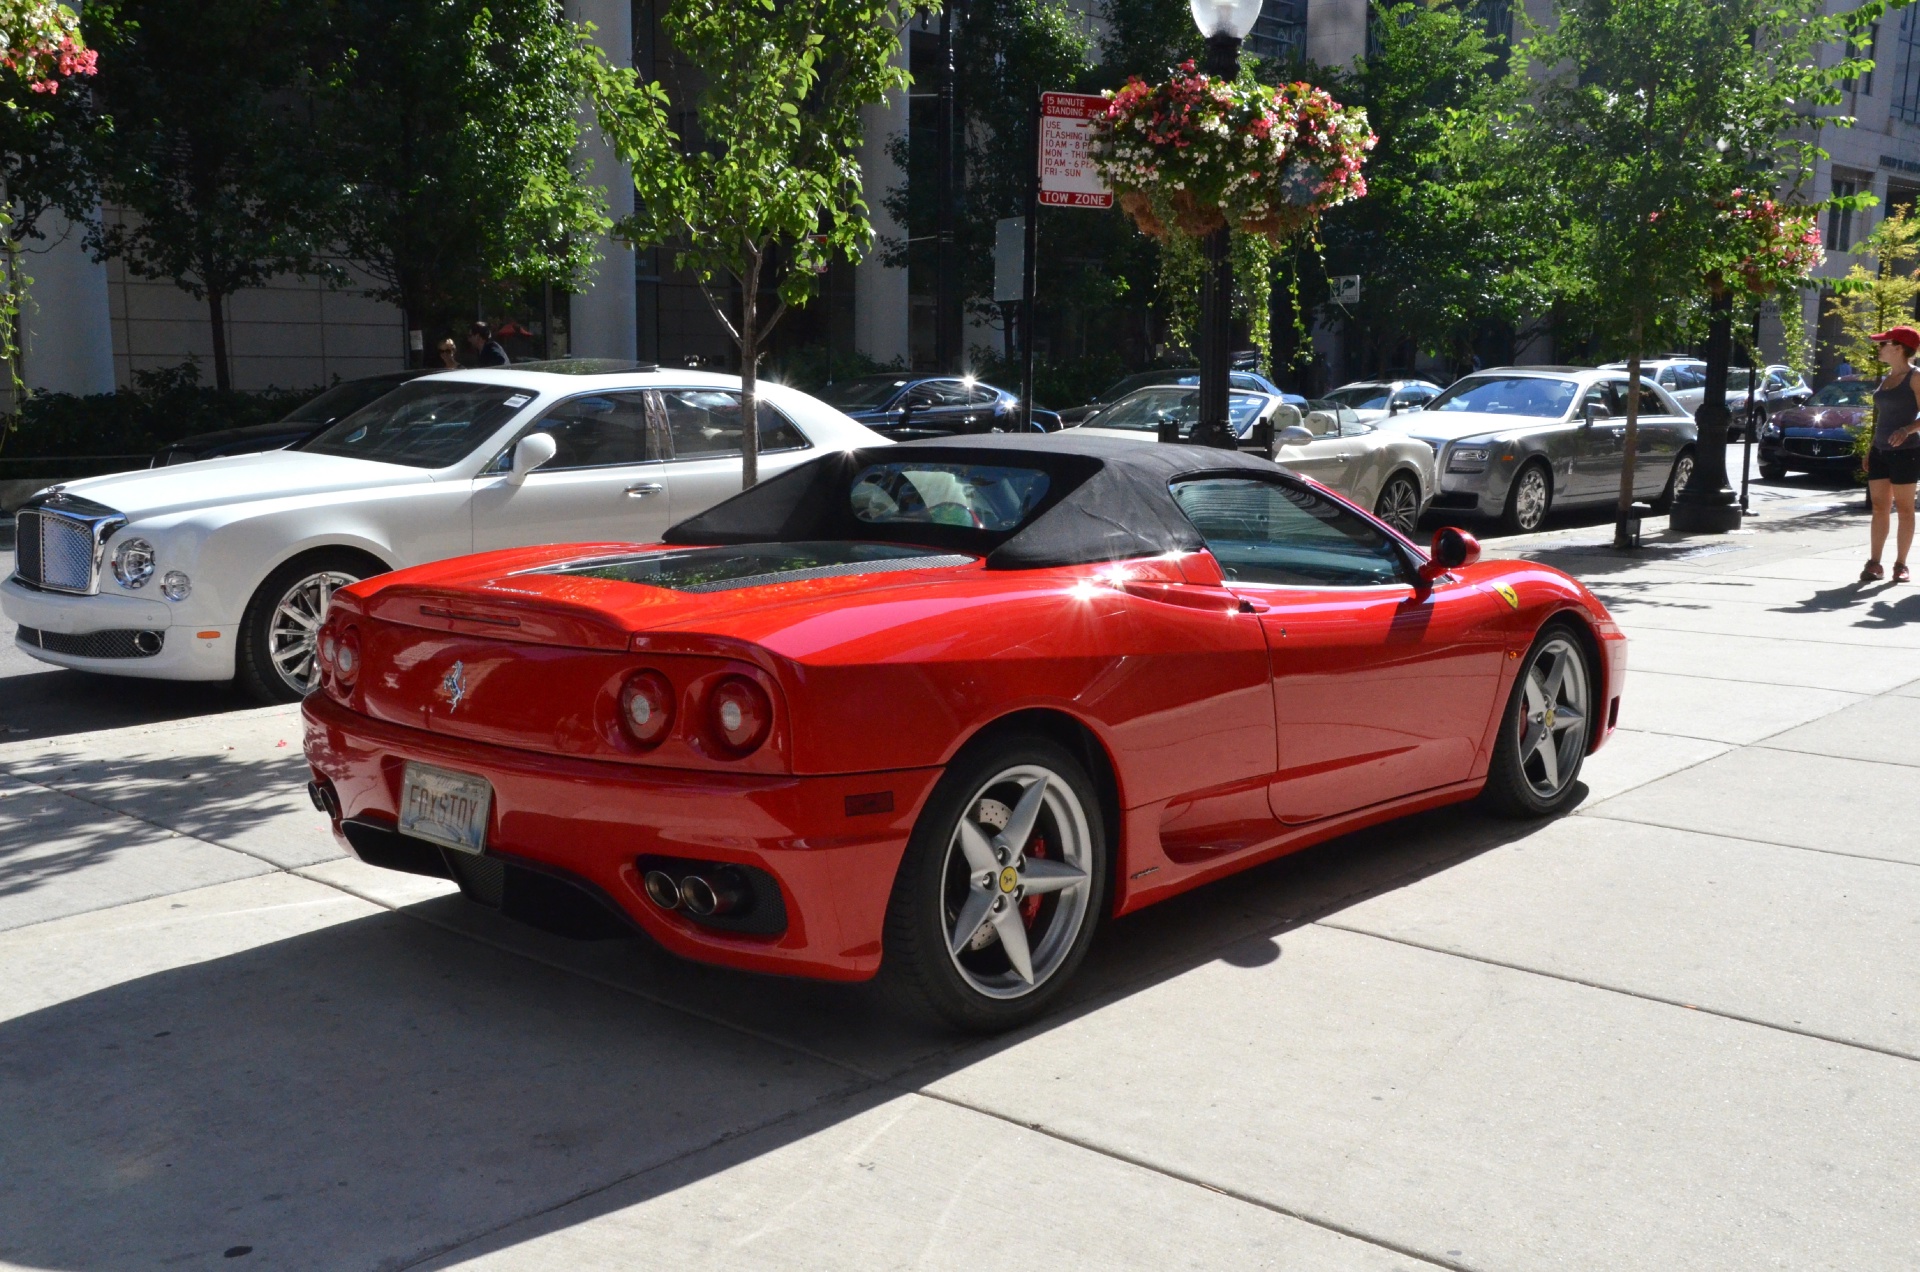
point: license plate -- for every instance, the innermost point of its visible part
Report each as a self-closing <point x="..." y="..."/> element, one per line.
<point x="445" y="807"/>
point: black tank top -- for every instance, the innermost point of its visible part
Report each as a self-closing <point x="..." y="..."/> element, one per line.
<point x="1893" y="410"/>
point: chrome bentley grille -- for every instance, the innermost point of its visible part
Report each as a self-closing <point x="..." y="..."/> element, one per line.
<point x="58" y="542"/>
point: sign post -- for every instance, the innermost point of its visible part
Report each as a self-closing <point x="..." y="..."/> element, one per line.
<point x="1062" y="176"/>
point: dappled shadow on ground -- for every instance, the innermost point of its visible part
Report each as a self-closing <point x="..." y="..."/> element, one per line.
<point x="373" y="1092"/>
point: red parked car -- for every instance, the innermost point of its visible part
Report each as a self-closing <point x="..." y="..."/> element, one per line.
<point x="939" y="709"/>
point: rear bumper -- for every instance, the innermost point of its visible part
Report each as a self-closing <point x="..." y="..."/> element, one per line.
<point x="589" y="821"/>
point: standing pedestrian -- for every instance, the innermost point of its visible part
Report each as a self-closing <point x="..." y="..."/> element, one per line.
<point x="1893" y="465"/>
<point x="1844" y="371"/>
<point x="449" y="354"/>
<point x="487" y="351"/>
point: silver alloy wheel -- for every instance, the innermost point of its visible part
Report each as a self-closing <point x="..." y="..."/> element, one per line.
<point x="1399" y="504"/>
<point x="293" y="631"/>
<point x="1682" y="473"/>
<point x="1017" y="880"/>
<point x="1530" y="499"/>
<point x="1553" y="718"/>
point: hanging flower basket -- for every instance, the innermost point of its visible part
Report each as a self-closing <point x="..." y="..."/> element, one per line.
<point x="1779" y="243"/>
<point x="1196" y="154"/>
<point x="40" y="42"/>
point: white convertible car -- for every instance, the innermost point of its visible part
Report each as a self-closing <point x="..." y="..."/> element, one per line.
<point x="224" y="568"/>
<point x="1377" y="468"/>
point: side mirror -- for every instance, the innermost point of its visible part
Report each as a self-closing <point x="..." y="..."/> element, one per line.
<point x="1452" y="548"/>
<point x="1394" y="408"/>
<point x="1594" y="411"/>
<point x="1293" y="435"/>
<point x="529" y="453"/>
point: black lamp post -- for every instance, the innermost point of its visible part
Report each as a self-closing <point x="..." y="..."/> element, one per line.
<point x="1224" y="23"/>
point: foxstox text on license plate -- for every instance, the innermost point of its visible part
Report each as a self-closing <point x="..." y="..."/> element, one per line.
<point x="446" y="807"/>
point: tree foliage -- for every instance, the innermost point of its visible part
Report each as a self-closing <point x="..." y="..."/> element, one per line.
<point x="207" y="151"/>
<point x="1450" y="235"/>
<point x="1872" y="298"/>
<point x="770" y="187"/>
<point x="452" y="131"/>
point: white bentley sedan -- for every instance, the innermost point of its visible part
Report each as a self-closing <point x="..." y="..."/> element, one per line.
<point x="224" y="568"/>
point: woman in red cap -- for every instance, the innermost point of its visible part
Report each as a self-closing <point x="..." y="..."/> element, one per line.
<point x="1893" y="465"/>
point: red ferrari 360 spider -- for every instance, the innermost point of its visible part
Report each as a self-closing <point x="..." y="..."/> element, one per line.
<point x="936" y="710"/>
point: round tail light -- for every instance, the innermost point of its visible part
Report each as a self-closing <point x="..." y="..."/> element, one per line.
<point x="741" y="714"/>
<point x="346" y="656"/>
<point x="646" y="707"/>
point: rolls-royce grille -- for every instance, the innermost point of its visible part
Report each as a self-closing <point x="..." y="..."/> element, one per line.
<point x="107" y="644"/>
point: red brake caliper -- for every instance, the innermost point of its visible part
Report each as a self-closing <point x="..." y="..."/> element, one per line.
<point x="1030" y="908"/>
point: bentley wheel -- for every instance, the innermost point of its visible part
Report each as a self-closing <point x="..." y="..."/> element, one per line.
<point x="1399" y="503"/>
<point x="1529" y="500"/>
<point x="1544" y="734"/>
<point x="998" y="896"/>
<point x="278" y="635"/>
<point x="1676" y="480"/>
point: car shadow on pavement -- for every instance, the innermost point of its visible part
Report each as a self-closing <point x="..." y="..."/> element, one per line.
<point x="57" y="702"/>
<point x="377" y="1091"/>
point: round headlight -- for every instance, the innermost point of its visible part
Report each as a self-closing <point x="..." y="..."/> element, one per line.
<point x="133" y="562"/>
<point x="646" y="707"/>
<point x="175" y="585"/>
<point x="741" y="714"/>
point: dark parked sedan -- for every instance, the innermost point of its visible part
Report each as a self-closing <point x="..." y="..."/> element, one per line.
<point x="904" y="406"/>
<point x="1817" y="437"/>
<point x="298" y="425"/>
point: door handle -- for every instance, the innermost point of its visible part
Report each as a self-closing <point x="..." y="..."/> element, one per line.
<point x="645" y="489"/>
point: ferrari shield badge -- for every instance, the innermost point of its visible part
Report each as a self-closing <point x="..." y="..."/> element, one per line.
<point x="1507" y="594"/>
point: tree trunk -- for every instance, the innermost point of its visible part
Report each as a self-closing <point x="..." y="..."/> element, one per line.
<point x="216" y="312"/>
<point x="1708" y="505"/>
<point x="1630" y="444"/>
<point x="749" y="368"/>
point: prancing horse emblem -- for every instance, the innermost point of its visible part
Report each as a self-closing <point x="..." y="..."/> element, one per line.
<point x="454" y="686"/>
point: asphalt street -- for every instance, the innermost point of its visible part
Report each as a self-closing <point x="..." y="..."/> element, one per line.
<point x="1671" y="1030"/>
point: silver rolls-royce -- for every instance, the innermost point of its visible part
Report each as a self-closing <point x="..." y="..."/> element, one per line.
<point x="1517" y="442"/>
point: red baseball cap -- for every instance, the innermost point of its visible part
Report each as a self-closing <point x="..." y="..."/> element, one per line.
<point x="1899" y="335"/>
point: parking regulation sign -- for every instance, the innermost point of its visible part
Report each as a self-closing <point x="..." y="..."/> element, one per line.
<point x="1067" y="176"/>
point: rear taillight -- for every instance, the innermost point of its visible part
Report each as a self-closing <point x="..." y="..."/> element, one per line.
<point x="740" y="715"/>
<point x="646" y="707"/>
<point x="346" y="657"/>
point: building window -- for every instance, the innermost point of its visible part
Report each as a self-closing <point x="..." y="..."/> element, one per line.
<point x="1869" y="47"/>
<point x="1906" y="61"/>
<point x="1279" y="34"/>
<point x="1840" y="220"/>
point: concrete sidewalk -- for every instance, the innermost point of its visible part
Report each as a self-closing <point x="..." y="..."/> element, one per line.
<point x="1677" y="1029"/>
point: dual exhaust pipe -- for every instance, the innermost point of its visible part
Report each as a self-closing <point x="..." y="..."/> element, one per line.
<point x="704" y="896"/>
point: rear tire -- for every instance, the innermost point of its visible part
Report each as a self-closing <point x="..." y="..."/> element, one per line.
<point x="1529" y="500"/>
<point x="1545" y="730"/>
<point x="275" y="658"/>
<point x="964" y="888"/>
<point x="1676" y="480"/>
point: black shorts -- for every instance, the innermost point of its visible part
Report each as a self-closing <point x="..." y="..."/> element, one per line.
<point x="1901" y="467"/>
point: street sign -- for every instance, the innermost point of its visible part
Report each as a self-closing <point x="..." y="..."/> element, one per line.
<point x="1067" y="178"/>
<point x="1009" y="258"/>
<point x="1345" y="289"/>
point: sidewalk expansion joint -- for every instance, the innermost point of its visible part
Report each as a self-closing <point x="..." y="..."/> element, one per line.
<point x="1603" y="987"/>
<point x="1745" y="839"/>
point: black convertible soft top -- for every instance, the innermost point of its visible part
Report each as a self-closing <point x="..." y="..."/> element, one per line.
<point x="1107" y="500"/>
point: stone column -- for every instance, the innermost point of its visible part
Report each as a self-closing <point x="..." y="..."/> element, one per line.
<point x="601" y="317"/>
<point x="65" y="329"/>
<point x="880" y="316"/>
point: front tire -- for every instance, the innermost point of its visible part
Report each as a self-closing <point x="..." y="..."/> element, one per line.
<point x="1399" y="504"/>
<point x="278" y="633"/>
<point x="1529" y="500"/>
<point x="1001" y="887"/>
<point x="1773" y="472"/>
<point x="1545" y="730"/>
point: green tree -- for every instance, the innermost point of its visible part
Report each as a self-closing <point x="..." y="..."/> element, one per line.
<point x="770" y="188"/>
<point x="1653" y="116"/>
<point x="1872" y="299"/>
<point x="208" y="151"/>
<point x="1449" y="236"/>
<point x="451" y="130"/>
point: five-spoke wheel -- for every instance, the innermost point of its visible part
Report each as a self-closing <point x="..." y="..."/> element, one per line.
<point x="999" y="893"/>
<point x="1548" y="726"/>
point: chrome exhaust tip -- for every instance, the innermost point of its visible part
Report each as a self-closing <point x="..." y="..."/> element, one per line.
<point x="662" y="890"/>
<point x="698" y="896"/>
